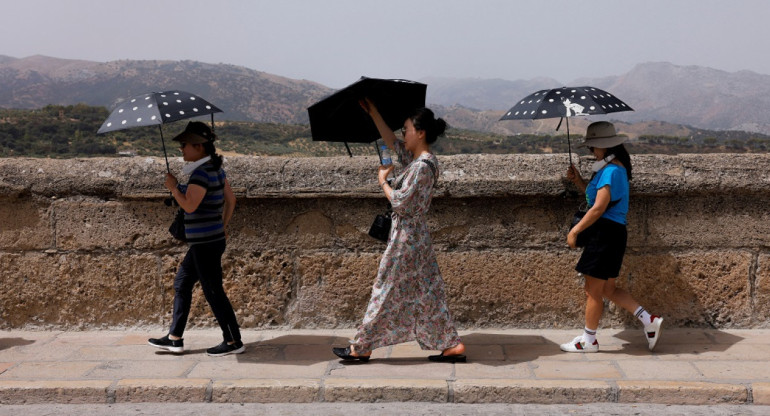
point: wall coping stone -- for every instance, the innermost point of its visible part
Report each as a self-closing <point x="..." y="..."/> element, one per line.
<point x="462" y="176"/>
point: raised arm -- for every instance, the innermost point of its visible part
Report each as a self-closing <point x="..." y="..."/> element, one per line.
<point x="385" y="132"/>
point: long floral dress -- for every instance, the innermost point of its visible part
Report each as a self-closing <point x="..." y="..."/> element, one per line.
<point x="408" y="298"/>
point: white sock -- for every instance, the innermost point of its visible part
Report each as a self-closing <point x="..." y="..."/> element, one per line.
<point x="589" y="336"/>
<point x="642" y="315"/>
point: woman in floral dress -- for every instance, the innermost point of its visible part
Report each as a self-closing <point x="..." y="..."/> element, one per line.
<point x="408" y="298"/>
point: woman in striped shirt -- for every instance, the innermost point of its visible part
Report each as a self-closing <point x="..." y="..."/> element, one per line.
<point x="208" y="202"/>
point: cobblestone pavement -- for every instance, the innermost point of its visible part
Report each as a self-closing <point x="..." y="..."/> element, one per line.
<point x="689" y="367"/>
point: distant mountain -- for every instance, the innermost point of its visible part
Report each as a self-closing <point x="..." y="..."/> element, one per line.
<point x="482" y="94"/>
<point x="694" y="96"/>
<point x="690" y="95"/>
<point x="243" y="94"/>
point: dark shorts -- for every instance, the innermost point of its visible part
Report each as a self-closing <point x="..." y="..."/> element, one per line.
<point x="604" y="249"/>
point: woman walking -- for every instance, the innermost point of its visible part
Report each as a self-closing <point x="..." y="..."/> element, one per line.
<point x="408" y="299"/>
<point x="603" y="231"/>
<point x="208" y="202"/>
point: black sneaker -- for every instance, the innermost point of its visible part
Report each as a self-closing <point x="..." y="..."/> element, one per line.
<point x="226" y="349"/>
<point x="173" y="345"/>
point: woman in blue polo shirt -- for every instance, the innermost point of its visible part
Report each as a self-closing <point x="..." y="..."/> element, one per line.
<point x="208" y="202"/>
<point x="602" y="231"/>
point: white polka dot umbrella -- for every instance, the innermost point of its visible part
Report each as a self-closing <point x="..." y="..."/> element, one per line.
<point x="157" y="108"/>
<point x="565" y="102"/>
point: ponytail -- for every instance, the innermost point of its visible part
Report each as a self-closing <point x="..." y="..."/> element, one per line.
<point x="622" y="156"/>
<point x="216" y="159"/>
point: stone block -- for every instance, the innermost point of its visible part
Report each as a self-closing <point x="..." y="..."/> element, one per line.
<point x="266" y="391"/>
<point x="92" y="224"/>
<point x="531" y="391"/>
<point x="79" y="290"/>
<point x="761" y="299"/>
<point x="332" y="290"/>
<point x="370" y="390"/>
<point x="305" y="224"/>
<point x="713" y="221"/>
<point x="18" y="392"/>
<point x="523" y="289"/>
<point x="694" y="288"/>
<point x="760" y="392"/>
<point x="26" y="224"/>
<point x="681" y="392"/>
<point x="173" y="390"/>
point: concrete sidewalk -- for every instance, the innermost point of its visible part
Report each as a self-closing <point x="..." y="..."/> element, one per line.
<point x="689" y="366"/>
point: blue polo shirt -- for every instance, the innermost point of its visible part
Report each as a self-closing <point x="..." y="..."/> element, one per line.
<point x="615" y="176"/>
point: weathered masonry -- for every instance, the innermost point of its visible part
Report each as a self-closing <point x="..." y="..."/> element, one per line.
<point x="84" y="242"/>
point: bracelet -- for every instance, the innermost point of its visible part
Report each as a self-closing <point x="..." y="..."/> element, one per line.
<point x="383" y="183"/>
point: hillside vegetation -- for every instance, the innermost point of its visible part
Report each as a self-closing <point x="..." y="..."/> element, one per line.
<point x="70" y="131"/>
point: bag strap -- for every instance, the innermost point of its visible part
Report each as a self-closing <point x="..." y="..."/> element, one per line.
<point x="433" y="170"/>
<point x="609" y="205"/>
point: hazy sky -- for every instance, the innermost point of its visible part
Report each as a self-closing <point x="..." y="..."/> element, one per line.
<point x="335" y="42"/>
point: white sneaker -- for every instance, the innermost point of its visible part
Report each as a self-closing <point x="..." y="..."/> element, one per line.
<point x="652" y="330"/>
<point x="577" y="345"/>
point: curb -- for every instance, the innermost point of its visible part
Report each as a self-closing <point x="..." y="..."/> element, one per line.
<point x="504" y="391"/>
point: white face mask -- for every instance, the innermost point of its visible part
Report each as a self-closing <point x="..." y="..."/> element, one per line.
<point x="599" y="164"/>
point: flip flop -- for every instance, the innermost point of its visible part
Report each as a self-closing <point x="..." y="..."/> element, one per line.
<point x="441" y="358"/>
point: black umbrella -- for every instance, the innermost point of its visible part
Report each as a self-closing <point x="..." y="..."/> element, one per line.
<point x="340" y="118"/>
<point x="158" y="108"/>
<point x="565" y="102"/>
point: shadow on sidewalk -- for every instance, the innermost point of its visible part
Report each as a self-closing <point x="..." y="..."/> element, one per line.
<point x="14" y="342"/>
<point x="292" y="349"/>
<point x="678" y="341"/>
<point x="487" y="349"/>
<point x="502" y="349"/>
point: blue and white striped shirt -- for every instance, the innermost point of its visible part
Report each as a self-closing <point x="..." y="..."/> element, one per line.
<point x="205" y="224"/>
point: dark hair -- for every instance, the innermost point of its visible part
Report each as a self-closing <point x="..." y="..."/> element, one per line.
<point x="424" y="119"/>
<point x="621" y="154"/>
<point x="210" y="150"/>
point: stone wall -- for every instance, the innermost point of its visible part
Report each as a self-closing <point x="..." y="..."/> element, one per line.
<point x="83" y="242"/>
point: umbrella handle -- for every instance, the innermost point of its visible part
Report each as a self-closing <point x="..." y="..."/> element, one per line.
<point x="164" y="147"/>
<point x="569" y="144"/>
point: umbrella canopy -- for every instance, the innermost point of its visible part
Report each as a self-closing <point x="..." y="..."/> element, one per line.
<point x="339" y="117"/>
<point x="156" y="108"/>
<point x="565" y="102"/>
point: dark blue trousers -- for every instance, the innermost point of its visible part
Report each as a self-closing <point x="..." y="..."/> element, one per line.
<point x="203" y="263"/>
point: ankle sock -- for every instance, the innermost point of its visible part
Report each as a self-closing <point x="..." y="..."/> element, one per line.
<point x="642" y="315"/>
<point x="589" y="336"/>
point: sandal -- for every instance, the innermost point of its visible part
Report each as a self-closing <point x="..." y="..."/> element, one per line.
<point x="346" y="354"/>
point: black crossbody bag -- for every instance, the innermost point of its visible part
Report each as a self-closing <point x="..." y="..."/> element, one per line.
<point x="380" y="228"/>
<point x="586" y="234"/>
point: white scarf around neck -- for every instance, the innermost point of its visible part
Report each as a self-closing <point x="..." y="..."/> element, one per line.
<point x="190" y="167"/>
<point x="599" y="164"/>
